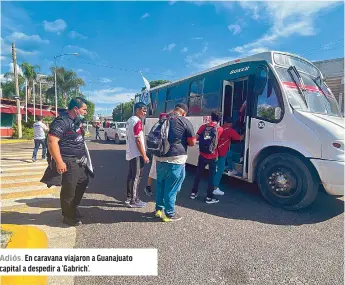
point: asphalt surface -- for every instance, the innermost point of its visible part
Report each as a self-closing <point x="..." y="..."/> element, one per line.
<point x="241" y="240"/>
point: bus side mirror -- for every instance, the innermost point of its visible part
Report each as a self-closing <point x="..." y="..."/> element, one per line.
<point x="261" y="78"/>
<point x="277" y="113"/>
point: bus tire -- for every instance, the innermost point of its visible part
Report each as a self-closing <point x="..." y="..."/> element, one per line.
<point x="286" y="181"/>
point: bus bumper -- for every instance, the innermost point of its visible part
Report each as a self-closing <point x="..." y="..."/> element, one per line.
<point x="331" y="174"/>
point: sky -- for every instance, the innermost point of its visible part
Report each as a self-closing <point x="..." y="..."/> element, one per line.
<point x="164" y="40"/>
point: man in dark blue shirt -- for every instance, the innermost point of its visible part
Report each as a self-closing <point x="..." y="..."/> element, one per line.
<point x="171" y="167"/>
<point x="67" y="148"/>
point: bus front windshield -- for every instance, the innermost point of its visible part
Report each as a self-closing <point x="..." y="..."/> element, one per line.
<point x="315" y="98"/>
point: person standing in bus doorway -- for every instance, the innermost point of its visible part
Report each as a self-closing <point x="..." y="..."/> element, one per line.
<point x="40" y="130"/>
<point x="229" y="134"/>
<point x="171" y="166"/>
<point x="208" y="136"/>
<point x="153" y="171"/>
<point x="135" y="155"/>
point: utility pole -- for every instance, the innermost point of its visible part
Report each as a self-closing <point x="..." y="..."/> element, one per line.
<point x="34" y="95"/>
<point x="19" y="115"/>
<point x="41" y="97"/>
<point x="26" y="100"/>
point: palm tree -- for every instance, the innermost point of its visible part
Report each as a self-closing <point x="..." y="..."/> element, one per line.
<point x="30" y="73"/>
<point x="67" y="83"/>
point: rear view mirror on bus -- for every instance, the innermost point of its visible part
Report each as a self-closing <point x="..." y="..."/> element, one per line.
<point x="261" y="77"/>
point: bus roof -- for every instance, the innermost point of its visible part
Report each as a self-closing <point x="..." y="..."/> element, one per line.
<point x="267" y="56"/>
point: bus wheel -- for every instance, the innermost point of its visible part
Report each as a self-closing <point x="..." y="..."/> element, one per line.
<point x="285" y="181"/>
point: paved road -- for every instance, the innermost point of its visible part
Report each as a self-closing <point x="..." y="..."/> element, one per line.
<point x="241" y="240"/>
<point x="26" y="201"/>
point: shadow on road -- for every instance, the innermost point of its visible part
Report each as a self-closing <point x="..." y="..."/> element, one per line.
<point x="242" y="201"/>
<point x="91" y="210"/>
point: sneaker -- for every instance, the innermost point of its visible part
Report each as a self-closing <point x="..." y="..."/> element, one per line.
<point x="218" y="192"/>
<point x="211" y="200"/>
<point x="174" y="218"/>
<point x="33" y="159"/>
<point x="137" y="204"/>
<point x="193" y="196"/>
<point x="158" y="213"/>
<point x="233" y="172"/>
<point x="128" y="200"/>
<point x="148" y="191"/>
<point x="241" y="159"/>
<point x="70" y="222"/>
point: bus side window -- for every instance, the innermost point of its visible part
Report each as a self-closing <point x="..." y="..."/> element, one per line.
<point x="160" y="106"/>
<point x="210" y="102"/>
<point x="196" y="89"/>
<point x="268" y="103"/>
<point x="176" y="94"/>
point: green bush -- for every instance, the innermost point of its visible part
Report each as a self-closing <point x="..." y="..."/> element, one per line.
<point x="28" y="133"/>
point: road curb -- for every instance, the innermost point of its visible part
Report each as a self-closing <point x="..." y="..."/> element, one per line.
<point x="25" y="237"/>
<point x="11" y="141"/>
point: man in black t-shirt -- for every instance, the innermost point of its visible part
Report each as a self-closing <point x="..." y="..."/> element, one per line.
<point x="67" y="148"/>
<point x="171" y="167"/>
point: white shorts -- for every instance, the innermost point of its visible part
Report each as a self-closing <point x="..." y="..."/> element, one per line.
<point x="153" y="171"/>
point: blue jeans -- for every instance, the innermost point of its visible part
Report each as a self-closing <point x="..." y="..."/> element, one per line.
<point x="37" y="146"/>
<point x="221" y="166"/>
<point x="169" y="181"/>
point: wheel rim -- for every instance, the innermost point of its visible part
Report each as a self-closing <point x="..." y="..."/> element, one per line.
<point x="283" y="182"/>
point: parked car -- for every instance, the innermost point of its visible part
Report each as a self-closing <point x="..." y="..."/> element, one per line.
<point x="116" y="132"/>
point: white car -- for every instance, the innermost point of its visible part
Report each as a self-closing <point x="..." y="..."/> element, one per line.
<point x="116" y="132"/>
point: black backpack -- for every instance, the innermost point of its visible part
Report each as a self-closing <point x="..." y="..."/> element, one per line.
<point x="208" y="139"/>
<point x="157" y="139"/>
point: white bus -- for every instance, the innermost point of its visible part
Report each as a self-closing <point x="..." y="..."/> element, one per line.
<point x="294" y="131"/>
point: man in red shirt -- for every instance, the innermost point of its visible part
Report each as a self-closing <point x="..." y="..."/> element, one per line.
<point x="208" y="136"/>
<point x="229" y="134"/>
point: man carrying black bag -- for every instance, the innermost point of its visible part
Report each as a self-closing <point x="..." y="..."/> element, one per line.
<point x="70" y="160"/>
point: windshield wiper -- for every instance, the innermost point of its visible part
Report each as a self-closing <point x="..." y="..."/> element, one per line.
<point x="301" y="83"/>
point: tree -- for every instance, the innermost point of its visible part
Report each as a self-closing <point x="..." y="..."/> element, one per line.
<point x="68" y="84"/>
<point x="155" y="83"/>
<point x="90" y="111"/>
<point x="9" y="89"/>
<point x="123" y="111"/>
<point x="29" y="72"/>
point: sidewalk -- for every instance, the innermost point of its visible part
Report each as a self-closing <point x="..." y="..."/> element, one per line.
<point x="26" y="201"/>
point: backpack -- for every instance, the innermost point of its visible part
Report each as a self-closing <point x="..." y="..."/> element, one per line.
<point x="208" y="139"/>
<point x="157" y="139"/>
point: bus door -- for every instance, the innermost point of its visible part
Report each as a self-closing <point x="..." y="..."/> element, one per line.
<point x="234" y="102"/>
<point x="265" y="112"/>
<point x="228" y="93"/>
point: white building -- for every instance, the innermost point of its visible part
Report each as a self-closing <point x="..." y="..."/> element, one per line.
<point x="333" y="71"/>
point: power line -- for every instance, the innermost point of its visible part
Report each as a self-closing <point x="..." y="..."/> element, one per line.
<point x="305" y="52"/>
<point x="323" y="45"/>
<point x="124" y="69"/>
